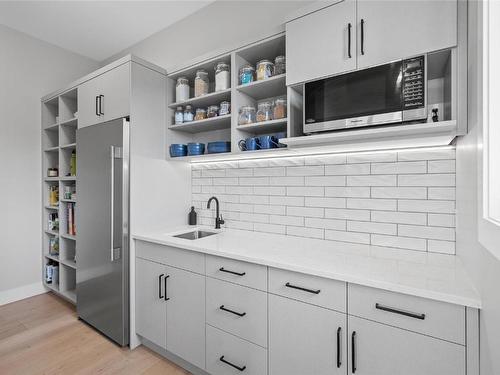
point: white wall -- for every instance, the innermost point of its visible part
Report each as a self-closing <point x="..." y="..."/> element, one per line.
<point x="29" y="69"/>
<point x="482" y="266"/>
<point x="222" y="25"/>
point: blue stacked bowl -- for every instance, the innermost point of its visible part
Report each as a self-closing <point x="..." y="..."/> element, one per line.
<point x="196" y="148"/>
<point x="178" y="149"/>
<point x="218" y="147"/>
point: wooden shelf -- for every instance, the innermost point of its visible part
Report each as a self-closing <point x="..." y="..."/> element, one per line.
<point x="68" y="236"/>
<point x="213" y="98"/>
<point x="201" y="157"/>
<point x="213" y="123"/>
<point x="268" y="88"/>
<point x="265" y="126"/>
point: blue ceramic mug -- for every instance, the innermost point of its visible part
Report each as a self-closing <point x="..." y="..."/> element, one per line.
<point x="268" y="141"/>
<point x="249" y="144"/>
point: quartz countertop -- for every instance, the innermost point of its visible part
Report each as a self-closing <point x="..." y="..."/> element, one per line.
<point x="435" y="276"/>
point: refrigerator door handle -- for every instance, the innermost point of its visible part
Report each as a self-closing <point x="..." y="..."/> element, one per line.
<point x="115" y="252"/>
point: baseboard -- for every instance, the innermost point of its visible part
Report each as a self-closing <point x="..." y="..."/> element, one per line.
<point x="22" y="292"/>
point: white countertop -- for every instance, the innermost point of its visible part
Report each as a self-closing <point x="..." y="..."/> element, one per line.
<point x="435" y="276"/>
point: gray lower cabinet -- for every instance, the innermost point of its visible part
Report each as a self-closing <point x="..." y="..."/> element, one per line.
<point x="170" y="309"/>
<point x="305" y="339"/>
<point x="378" y="349"/>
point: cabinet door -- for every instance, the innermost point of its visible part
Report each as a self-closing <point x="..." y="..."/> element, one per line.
<point x="317" y="45"/>
<point x="380" y="350"/>
<point x="186" y="315"/>
<point x="394" y="30"/>
<point x="305" y="339"/>
<point x="150" y="310"/>
<point x="115" y="99"/>
<point x="88" y="95"/>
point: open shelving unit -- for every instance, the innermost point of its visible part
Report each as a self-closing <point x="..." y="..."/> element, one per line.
<point x="226" y="128"/>
<point x="59" y="125"/>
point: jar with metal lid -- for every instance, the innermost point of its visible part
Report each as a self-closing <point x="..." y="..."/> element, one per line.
<point x="247" y="115"/>
<point x="212" y="111"/>
<point x="188" y="114"/>
<point x="179" y="115"/>
<point x="182" y="89"/>
<point x="264" y="111"/>
<point x="201" y="114"/>
<point x="279" y="109"/>
<point x="201" y="83"/>
<point x="225" y="108"/>
<point x="222" y="76"/>
<point x="247" y="73"/>
<point x="265" y="69"/>
<point x="279" y="65"/>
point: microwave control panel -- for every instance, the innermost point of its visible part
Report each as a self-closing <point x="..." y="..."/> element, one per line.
<point x="414" y="83"/>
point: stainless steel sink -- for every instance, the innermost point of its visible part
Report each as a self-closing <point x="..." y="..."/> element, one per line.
<point x="195" y="235"/>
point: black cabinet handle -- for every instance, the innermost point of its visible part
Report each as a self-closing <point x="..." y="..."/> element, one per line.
<point x="349" y="26"/>
<point x="232" y="272"/>
<point x="362" y="36"/>
<point x="304" y="289"/>
<point x="353" y="350"/>
<point x="97" y="106"/>
<point x="165" y="280"/>
<point x="160" y="296"/>
<point x="339" y="334"/>
<point x="232" y="364"/>
<point x="400" y="312"/>
<point x="101" y="97"/>
<point x="232" y="311"/>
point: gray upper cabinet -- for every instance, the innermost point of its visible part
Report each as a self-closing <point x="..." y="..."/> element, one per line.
<point x="379" y="349"/>
<point x="317" y="45"/>
<point x="105" y="97"/>
<point x="391" y="30"/>
<point x="305" y="339"/>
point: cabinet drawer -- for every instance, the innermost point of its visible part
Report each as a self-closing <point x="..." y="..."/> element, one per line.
<point x="229" y="355"/>
<point x="235" y="271"/>
<point x="172" y="256"/>
<point x="238" y="310"/>
<point x="311" y="289"/>
<point x="433" y="318"/>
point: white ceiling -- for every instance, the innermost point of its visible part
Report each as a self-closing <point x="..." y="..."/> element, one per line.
<point x="96" y="29"/>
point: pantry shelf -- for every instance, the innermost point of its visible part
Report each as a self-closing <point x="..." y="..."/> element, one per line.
<point x="214" y="123"/>
<point x="71" y="122"/>
<point x="70" y="294"/>
<point x="265" y="126"/>
<point x="69" y="263"/>
<point x="68" y="146"/>
<point x="52" y="233"/>
<point x="52" y="126"/>
<point x="48" y="207"/>
<point x="213" y="98"/>
<point x="68" y="200"/>
<point x="52" y="149"/>
<point x="52" y="257"/>
<point x="68" y="178"/>
<point x="68" y="236"/>
<point x="274" y="86"/>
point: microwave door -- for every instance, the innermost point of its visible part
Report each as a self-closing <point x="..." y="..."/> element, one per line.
<point x="368" y="97"/>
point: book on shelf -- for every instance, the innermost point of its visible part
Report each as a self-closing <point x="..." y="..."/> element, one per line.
<point x="70" y="219"/>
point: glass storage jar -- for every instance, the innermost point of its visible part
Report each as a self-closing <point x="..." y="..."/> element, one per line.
<point x="279" y="65"/>
<point x="222" y="76"/>
<point x="179" y="115"/>
<point x="201" y="114"/>
<point x="201" y="83"/>
<point x="279" y="110"/>
<point x="264" y="111"/>
<point x="225" y="108"/>
<point x="265" y="69"/>
<point x="188" y="114"/>
<point x="247" y="115"/>
<point x="212" y="111"/>
<point x="182" y="89"/>
<point x="247" y="73"/>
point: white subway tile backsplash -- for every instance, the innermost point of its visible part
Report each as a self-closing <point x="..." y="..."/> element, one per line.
<point x="392" y="199"/>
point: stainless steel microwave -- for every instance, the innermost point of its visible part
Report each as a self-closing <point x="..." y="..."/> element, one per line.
<point x="385" y="94"/>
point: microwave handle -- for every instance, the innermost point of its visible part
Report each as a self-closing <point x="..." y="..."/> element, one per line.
<point x="349" y="26"/>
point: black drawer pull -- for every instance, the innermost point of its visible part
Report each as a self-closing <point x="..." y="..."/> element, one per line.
<point x="160" y="296"/>
<point x="97" y="106"/>
<point x="101" y="112"/>
<point x="353" y="351"/>
<point x="400" y="312"/>
<point x="362" y="36"/>
<point x="232" y="311"/>
<point x="165" y="279"/>
<point x="339" y="334"/>
<point x="232" y="272"/>
<point x="304" y="289"/>
<point x="349" y="26"/>
<point x="232" y="364"/>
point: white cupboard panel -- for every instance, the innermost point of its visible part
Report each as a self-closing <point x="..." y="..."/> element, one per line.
<point x="235" y="271"/>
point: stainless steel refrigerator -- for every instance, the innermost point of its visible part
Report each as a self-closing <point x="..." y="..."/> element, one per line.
<point x="102" y="217"/>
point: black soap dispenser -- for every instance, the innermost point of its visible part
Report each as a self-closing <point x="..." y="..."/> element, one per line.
<point x="192" y="216"/>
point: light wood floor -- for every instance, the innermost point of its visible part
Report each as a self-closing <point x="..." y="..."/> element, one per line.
<point x="42" y="335"/>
